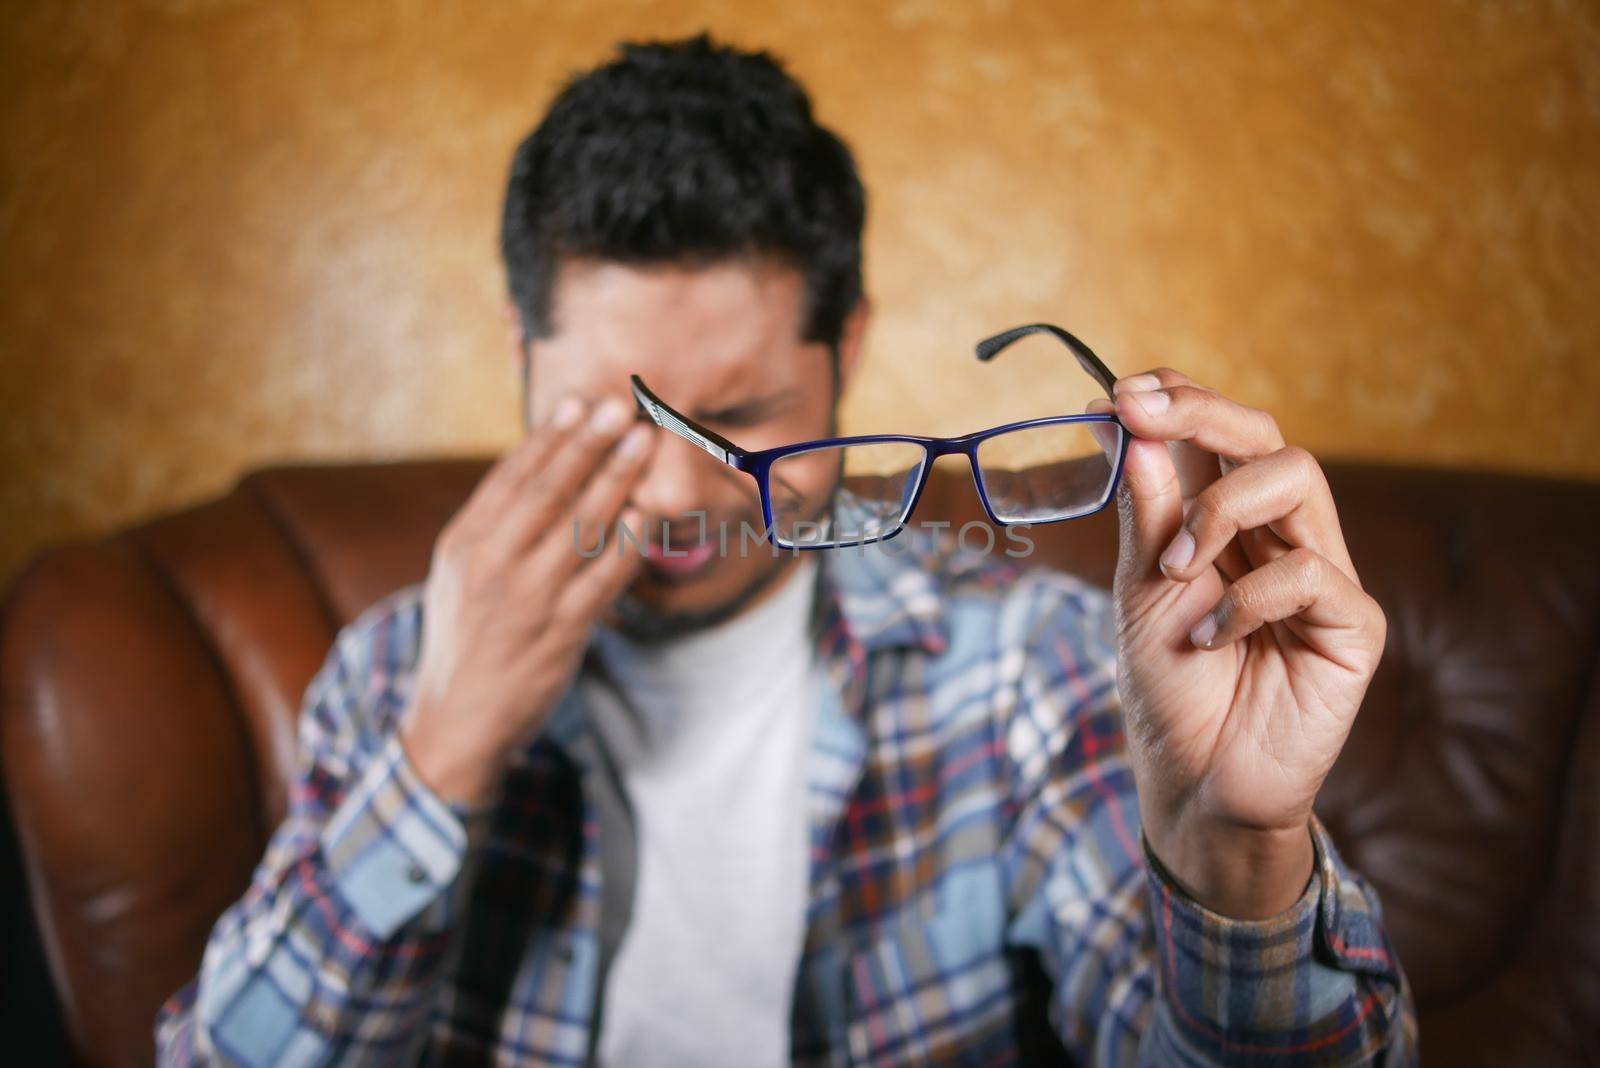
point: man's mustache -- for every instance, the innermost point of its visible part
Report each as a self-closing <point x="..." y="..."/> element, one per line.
<point x="681" y="531"/>
<point x="692" y="528"/>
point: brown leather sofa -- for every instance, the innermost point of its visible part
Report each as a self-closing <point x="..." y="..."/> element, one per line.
<point x="151" y="681"/>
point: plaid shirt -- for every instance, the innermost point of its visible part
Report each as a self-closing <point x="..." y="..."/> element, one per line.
<point x="980" y="889"/>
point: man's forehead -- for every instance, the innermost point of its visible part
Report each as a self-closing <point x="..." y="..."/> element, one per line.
<point x="726" y="322"/>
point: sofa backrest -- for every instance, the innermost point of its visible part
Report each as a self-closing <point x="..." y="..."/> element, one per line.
<point x="151" y="682"/>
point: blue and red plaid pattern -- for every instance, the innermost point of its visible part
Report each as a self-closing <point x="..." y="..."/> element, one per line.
<point x="973" y="822"/>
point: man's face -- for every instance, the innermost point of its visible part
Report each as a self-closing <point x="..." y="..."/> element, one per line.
<point x="721" y="343"/>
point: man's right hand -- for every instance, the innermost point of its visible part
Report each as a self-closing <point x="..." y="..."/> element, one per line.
<point x="509" y="600"/>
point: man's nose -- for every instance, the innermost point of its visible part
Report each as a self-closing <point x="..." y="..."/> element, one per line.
<point x="681" y="480"/>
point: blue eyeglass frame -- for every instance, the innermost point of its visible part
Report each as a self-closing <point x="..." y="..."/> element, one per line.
<point x="758" y="464"/>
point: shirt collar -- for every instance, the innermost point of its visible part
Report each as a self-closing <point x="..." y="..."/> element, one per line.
<point x="886" y="594"/>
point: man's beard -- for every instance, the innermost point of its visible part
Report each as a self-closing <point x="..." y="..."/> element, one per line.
<point x="644" y="624"/>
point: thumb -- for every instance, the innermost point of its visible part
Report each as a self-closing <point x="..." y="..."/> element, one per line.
<point x="1149" y="503"/>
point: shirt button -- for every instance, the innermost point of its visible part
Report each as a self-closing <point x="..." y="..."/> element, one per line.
<point x="416" y="874"/>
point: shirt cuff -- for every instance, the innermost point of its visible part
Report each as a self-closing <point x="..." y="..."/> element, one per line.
<point x="1224" y="976"/>
<point x="394" y="847"/>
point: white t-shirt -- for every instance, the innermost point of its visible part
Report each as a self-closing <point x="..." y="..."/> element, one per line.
<point x="713" y="758"/>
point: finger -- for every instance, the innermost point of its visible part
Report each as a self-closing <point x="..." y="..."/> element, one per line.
<point x="1200" y="417"/>
<point x="600" y="581"/>
<point x="1324" y="606"/>
<point x="598" y="426"/>
<point x="546" y="493"/>
<point x="588" y="522"/>
<point x="1149" y="508"/>
<point x="1155" y="378"/>
<point x="530" y="454"/>
<point x="1106" y="435"/>
<point x="1197" y="467"/>
<point x="1284" y="491"/>
<point x="607" y="492"/>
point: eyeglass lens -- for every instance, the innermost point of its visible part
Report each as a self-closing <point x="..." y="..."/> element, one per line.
<point x="1037" y="474"/>
<point x="871" y="498"/>
<point x="1050" y="472"/>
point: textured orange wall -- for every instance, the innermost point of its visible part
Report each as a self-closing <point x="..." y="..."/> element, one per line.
<point x="234" y="232"/>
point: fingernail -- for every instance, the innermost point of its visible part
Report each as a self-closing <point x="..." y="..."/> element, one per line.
<point x="1136" y="384"/>
<point x="609" y="417"/>
<point x="634" y="443"/>
<point x="1204" y="630"/>
<point x="567" y="413"/>
<point x="1180" y="552"/>
<point x="1153" y="403"/>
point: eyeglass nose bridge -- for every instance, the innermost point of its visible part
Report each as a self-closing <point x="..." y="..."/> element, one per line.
<point x="966" y="446"/>
<point x="970" y="450"/>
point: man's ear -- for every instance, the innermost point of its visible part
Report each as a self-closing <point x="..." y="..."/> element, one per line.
<point x="852" y="338"/>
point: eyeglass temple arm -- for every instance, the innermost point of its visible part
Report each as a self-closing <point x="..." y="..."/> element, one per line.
<point x="668" y="418"/>
<point x="990" y="347"/>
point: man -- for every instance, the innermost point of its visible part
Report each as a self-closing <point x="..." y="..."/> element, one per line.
<point x="687" y="807"/>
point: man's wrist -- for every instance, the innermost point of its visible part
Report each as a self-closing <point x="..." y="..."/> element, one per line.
<point x="459" y="774"/>
<point x="1243" y="873"/>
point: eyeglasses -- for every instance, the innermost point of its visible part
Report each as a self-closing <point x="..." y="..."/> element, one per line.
<point x="1036" y="471"/>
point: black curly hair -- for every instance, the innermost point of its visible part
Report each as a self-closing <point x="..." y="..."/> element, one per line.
<point x="685" y="151"/>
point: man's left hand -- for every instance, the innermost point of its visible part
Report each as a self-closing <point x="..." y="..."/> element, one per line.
<point x="1245" y="640"/>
